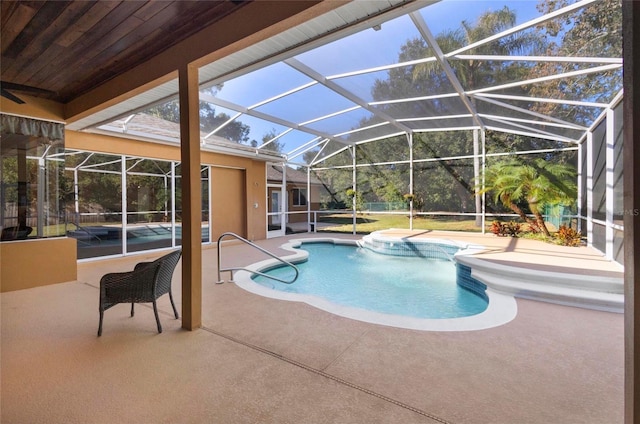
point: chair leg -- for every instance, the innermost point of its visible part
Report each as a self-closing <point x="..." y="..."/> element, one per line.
<point x="175" y="311"/>
<point x="100" y="325"/>
<point x="132" y="303"/>
<point x="155" y="311"/>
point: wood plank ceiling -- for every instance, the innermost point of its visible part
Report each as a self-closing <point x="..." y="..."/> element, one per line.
<point x="62" y="49"/>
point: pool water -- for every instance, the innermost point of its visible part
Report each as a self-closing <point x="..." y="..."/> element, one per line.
<point x="398" y="285"/>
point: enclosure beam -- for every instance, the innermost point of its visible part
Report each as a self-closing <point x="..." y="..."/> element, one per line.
<point x="284" y="201"/>
<point x="173" y="204"/>
<point x="191" y="198"/>
<point x="123" y="199"/>
<point x="410" y="139"/>
<point x="589" y="188"/>
<point x="483" y="135"/>
<point x="448" y="70"/>
<point x="42" y="183"/>
<point x="609" y="177"/>
<point x="631" y="158"/>
<point x="580" y="187"/>
<point x="23" y="182"/>
<point x="354" y="185"/>
<point x="476" y="176"/>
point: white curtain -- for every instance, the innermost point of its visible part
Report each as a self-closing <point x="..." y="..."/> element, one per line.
<point x="10" y="124"/>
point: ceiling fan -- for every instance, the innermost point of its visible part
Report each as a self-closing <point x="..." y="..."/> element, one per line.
<point x="6" y="86"/>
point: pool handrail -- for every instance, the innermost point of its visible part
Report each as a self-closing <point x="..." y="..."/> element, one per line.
<point x="230" y="270"/>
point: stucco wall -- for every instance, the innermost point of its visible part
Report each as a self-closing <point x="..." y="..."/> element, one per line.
<point x="30" y="263"/>
<point x="39" y="262"/>
<point x="254" y="189"/>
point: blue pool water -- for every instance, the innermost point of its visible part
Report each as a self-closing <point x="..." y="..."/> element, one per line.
<point x="357" y="277"/>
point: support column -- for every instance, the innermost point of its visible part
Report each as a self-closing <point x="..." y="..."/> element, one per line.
<point x="580" y="213"/>
<point x="476" y="176"/>
<point x="309" y="201"/>
<point x="355" y="188"/>
<point x="284" y="201"/>
<point x="609" y="204"/>
<point x="124" y="219"/>
<point x="410" y="137"/>
<point x="631" y="153"/>
<point x="483" y="135"/>
<point x="173" y="204"/>
<point x="23" y="181"/>
<point x="42" y="186"/>
<point x="589" y="188"/>
<point x="191" y="198"/>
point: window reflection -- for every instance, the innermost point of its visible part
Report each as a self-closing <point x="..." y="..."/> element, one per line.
<point x="31" y="166"/>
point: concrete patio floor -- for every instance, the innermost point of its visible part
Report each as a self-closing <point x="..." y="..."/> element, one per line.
<point x="261" y="360"/>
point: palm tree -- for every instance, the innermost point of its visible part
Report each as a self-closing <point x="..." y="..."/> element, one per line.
<point x="502" y="180"/>
<point x="538" y="183"/>
<point x="548" y="183"/>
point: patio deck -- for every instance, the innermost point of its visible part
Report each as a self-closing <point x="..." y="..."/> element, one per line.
<point x="264" y="360"/>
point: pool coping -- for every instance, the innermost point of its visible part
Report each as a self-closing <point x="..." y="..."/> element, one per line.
<point x="502" y="308"/>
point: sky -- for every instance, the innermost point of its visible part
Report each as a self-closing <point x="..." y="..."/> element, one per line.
<point x="363" y="50"/>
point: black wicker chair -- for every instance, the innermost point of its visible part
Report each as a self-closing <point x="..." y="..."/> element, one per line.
<point x="20" y="232"/>
<point x="146" y="283"/>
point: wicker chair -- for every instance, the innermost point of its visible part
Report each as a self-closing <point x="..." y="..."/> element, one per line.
<point x="20" y="232"/>
<point x="146" y="283"/>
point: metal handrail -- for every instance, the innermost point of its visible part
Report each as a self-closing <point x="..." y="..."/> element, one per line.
<point x="234" y="235"/>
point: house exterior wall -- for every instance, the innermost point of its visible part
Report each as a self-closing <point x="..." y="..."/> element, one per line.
<point x="229" y="201"/>
<point x="17" y="257"/>
<point x="31" y="263"/>
<point x="254" y="186"/>
<point x="314" y="206"/>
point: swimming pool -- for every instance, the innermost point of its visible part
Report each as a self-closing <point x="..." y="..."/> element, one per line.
<point x="486" y="310"/>
<point x="361" y="278"/>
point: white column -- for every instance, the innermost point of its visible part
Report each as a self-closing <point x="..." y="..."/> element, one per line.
<point x="284" y="203"/>
<point x="609" y="204"/>
<point x="410" y="139"/>
<point x="589" y="189"/>
<point x="476" y="177"/>
<point x="173" y="204"/>
<point x="42" y="186"/>
<point x="210" y="202"/>
<point x="354" y="185"/>
<point x="309" y="199"/>
<point x="580" y="192"/>
<point x="123" y="178"/>
<point x="484" y="168"/>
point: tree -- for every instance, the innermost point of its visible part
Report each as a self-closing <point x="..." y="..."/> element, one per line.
<point x="474" y="74"/>
<point x="444" y="184"/>
<point x="537" y="183"/>
<point x="275" y="145"/>
<point x="209" y="120"/>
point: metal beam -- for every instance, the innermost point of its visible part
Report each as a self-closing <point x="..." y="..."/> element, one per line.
<point x="419" y="22"/>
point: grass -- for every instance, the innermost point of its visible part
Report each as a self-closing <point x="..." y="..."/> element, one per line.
<point x="368" y="223"/>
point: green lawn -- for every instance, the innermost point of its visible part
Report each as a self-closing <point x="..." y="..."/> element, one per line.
<point x="365" y="223"/>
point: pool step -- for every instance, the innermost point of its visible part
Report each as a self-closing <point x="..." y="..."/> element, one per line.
<point x="604" y="293"/>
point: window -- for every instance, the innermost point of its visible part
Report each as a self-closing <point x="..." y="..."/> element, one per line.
<point x="31" y="169"/>
<point x="299" y="196"/>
